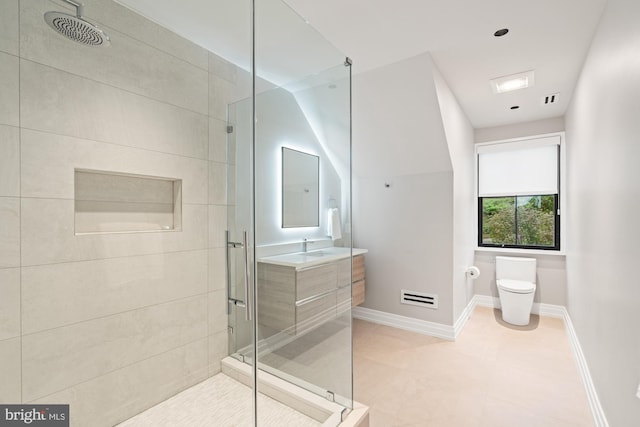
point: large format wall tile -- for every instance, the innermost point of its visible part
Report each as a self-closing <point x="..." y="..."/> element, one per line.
<point x="60" y="358"/>
<point x="218" y="350"/>
<point x="9" y="232"/>
<point x="217" y="140"/>
<point x="217" y="311"/>
<point x="62" y="294"/>
<point x="231" y="185"/>
<point x="217" y="269"/>
<point x="48" y="235"/>
<point x="217" y="226"/>
<point x="56" y="101"/>
<point x="217" y="183"/>
<point x="220" y="95"/>
<point x="115" y="16"/>
<point x="118" y="395"/>
<point x="9" y="161"/>
<point x="48" y="163"/>
<point x="126" y="64"/>
<point x="10" y="388"/>
<point x="9" y="303"/>
<point x="222" y="68"/>
<point x="9" y="19"/>
<point x="9" y="89"/>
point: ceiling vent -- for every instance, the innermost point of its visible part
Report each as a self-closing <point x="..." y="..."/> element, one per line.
<point x="551" y="99"/>
<point x="419" y="298"/>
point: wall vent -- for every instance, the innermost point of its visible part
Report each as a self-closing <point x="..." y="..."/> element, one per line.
<point x="551" y="99"/>
<point x="419" y="298"/>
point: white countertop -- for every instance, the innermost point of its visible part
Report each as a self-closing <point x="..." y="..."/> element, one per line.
<point x="301" y="260"/>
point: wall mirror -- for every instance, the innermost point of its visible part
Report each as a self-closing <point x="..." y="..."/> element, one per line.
<point x="300" y="189"/>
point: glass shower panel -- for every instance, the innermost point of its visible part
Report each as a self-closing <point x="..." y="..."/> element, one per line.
<point x="239" y="229"/>
<point x="302" y="102"/>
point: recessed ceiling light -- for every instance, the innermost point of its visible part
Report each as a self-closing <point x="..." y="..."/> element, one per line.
<point x="501" y="32"/>
<point x="515" y="107"/>
<point x="512" y="82"/>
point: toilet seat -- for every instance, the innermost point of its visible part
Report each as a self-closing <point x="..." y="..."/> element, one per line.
<point x="516" y="286"/>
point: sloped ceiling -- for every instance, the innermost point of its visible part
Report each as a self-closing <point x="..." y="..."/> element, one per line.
<point x="548" y="36"/>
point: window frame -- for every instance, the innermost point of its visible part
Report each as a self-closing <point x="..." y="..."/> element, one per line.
<point x="561" y="208"/>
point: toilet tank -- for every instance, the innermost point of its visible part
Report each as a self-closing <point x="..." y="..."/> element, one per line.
<point x="516" y="268"/>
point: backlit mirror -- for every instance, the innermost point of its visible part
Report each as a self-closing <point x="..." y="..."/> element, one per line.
<point x="300" y="189"/>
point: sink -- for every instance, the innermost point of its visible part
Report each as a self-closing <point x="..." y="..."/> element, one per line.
<point x="314" y="253"/>
<point x="307" y="259"/>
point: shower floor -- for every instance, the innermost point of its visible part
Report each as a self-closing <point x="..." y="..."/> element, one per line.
<point x="218" y="401"/>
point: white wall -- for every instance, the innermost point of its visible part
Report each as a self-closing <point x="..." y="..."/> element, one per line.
<point x="518" y="130"/>
<point x="280" y="122"/>
<point x="604" y="196"/>
<point x="407" y="229"/>
<point x="551" y="285"/>
<point x="459" y="133"/>
<point x="399" y="139"/>
<point x="551" y="276"/>
<point x="397" y="125"/>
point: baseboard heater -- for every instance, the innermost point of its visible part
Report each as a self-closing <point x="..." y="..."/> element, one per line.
<point x="419" y="298"/>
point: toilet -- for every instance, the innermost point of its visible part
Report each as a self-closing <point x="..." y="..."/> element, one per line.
<point x="516" y="279"/>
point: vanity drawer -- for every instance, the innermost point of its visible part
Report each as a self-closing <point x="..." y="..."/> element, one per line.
<point x="358" y="268"/>
<point x="315" y="280"/>
<point x="313" y="313"/>
<point x="357" y="292"/>
<point x="344" y="272"/>
<point x="344" y="300"/>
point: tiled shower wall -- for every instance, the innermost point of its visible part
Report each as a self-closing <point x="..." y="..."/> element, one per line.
<point x="109" y="323"/>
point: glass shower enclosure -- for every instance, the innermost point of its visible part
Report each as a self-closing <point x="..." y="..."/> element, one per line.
<point x="175" y="205"/>
<point x="290" y="170"/>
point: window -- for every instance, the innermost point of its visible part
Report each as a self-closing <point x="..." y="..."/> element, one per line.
<point x="520" y="221"/>
<point x="518" y="194"/>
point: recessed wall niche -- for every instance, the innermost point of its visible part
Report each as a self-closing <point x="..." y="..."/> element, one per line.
<point x="111" y="202"/>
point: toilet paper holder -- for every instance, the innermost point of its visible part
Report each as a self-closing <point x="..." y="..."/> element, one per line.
<point x="472" y="272"/>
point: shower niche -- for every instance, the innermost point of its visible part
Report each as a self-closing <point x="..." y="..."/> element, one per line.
<point x="111" y="202"/>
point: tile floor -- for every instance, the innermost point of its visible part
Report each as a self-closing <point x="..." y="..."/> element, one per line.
<point x="218" y="402"/>
<point x="493" y="375"/>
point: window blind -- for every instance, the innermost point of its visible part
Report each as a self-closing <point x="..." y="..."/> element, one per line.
<point x="523" y="168"/>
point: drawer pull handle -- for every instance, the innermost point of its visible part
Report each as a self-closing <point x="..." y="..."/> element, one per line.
<point x="314" y="297"/>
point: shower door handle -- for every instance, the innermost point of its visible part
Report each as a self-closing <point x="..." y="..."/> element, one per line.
<point x="247" y="295"/>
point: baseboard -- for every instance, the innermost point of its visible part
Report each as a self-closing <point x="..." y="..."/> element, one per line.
<point x="464" y="318"/>
<point x="407" y="323"/>
<point x="549" y="310"/>
<point x="599" y="417"/>
<point x="485" y="301"/>
<point x="561" y="312"/>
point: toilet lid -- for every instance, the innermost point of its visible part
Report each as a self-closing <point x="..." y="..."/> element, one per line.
<point x="518" y="286"/>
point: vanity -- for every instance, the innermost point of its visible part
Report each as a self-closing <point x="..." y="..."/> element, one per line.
<point x="302" y="290"/>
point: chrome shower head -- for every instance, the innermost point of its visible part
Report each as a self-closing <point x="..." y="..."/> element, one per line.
<point x="76" y="28"/>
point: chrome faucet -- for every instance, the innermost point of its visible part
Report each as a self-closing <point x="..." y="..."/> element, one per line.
<point x="304" y="245"/>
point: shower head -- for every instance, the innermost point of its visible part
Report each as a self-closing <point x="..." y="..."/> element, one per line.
<point x="76" y="28"/>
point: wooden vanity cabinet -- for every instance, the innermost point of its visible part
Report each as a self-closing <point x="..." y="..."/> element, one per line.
<point x="358" y="286"/>
<point x="295" y="301"/>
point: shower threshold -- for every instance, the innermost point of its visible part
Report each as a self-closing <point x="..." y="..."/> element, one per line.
<point x="328" y="414"/>
<point x="225" y="400"/>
